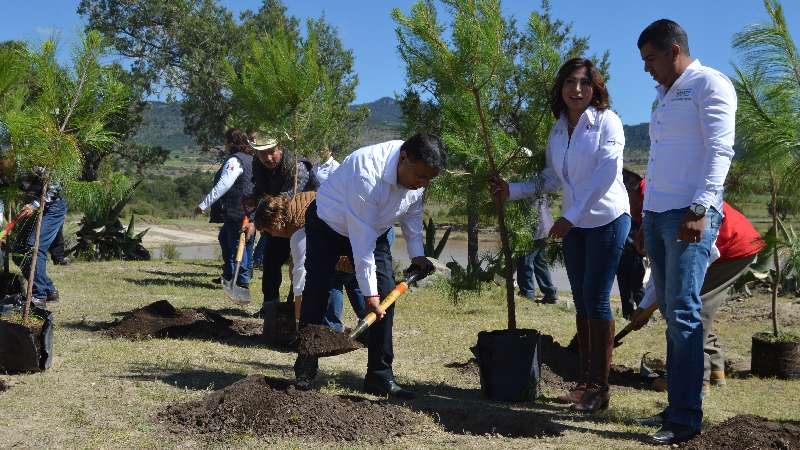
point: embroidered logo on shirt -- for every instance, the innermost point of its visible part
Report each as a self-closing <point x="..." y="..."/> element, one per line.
<point x="682" y="95"/>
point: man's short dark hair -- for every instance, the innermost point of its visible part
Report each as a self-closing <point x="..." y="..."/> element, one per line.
<point x="662" y="33"/>
<point x="427" y="148"/>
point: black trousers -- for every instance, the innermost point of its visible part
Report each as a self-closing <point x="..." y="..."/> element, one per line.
<point x="276" y="253"/>
<point x="324" y="246"/>
<point x="630" y="279"/>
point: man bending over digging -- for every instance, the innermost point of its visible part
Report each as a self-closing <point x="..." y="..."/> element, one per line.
<point x="355" y="208"/>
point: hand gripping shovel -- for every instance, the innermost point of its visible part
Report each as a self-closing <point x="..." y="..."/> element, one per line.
<point x="238" y="294"/>
<point x="318" y="341"/>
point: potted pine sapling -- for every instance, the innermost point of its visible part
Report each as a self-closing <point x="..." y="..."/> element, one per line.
<point x="467" y="74"/>
<point x="768" y="87"/>
<point x="47" y="131"/>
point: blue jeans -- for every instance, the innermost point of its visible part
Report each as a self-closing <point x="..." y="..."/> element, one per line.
<point x="229" y="242"/>
<point x="530" y="266"/>
<point x="52" y="220"/>
<point x="678" y="269"/>
<point x="343" y="281"/>
<point x="347" y="281"/>
<point x="591" y="256"/>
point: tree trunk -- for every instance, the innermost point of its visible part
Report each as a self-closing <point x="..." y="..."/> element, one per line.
<point x="34" y="257"/>
<point x="501" y="218"/>
<point x="775" y="260"/>
<point x="472" y="229"/>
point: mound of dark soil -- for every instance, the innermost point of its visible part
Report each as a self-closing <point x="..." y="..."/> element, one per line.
<point x="747" y="432"/>
<point x="319" y="341"/>
<point x="271" y="407"/>
<point x="161" y="319"/>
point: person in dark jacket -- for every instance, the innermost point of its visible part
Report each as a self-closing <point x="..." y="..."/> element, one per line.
<point x="275" y="172"/>
<point x="232" y="183"/>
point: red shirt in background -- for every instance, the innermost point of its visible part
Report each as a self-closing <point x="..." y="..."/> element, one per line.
<point x="737" y="237"/>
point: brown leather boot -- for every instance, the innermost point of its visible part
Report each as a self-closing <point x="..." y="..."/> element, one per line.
<point x="601" y="341"/>
<point x="576" y="393"/>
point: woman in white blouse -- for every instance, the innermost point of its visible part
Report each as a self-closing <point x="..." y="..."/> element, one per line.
<point x="584" y="161"/>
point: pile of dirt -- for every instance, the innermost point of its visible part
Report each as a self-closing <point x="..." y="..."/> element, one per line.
<point x="747" y="432"/>
<point x="161" y="319"/>
<point x="319" y="341"/>
<point x="270" y="407"/>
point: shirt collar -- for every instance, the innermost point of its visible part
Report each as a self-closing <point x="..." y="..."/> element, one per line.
<point x="694" y="66"/>
<point x="390" y="169"/>
<point x="591" y="114"/>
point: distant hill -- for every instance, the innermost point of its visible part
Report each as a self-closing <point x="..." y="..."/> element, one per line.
<point x="163" y="125"/>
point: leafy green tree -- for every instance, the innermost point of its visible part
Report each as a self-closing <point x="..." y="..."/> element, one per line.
<point x="488" y="87"/>
<point x="61" y="114"/>
<point x="768" y="88"/>
<point x="182" y="47"/>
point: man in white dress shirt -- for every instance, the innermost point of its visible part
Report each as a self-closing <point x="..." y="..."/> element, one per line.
<point x="355" y="208"/>
<point x="691" y="146"/>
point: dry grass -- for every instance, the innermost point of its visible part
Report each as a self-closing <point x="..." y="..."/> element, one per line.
<point x="103" y="392"/>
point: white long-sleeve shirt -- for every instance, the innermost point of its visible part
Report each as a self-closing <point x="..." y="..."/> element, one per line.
<point x="362" y="200"/>
<point x="297" y="247"/>
<point x="588" y="167"/>
<point x="323" y="170"/>
<point x="230" y="172"/>
<point x="691" y="141"/>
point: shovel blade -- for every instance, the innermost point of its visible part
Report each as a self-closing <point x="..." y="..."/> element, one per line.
<point x="236" y="294"/>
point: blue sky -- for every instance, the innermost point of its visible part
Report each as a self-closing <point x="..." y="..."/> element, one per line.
<point x="366" y="27"/>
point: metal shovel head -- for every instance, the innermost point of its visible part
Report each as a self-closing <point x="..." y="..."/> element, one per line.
<point x="237" y="294"/>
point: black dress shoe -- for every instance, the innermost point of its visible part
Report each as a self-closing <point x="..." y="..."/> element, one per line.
<point x="652" y="421"/>
<point x="52" y="297"/>
<point x="390" y="388"/>
<point x="672" y="433"/>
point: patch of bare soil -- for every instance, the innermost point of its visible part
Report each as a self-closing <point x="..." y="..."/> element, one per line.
<point x="737" y="309"/>
<point x="319" y="341"/>
<point x="270" y="407"/>
<point x="161" y="319"/>
<point x="747" y="432"/>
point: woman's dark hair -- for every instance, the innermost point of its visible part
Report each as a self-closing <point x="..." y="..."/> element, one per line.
<point x="662" y="33"/>
<point x="427" y="148"/>
<point x="600" y="99"/>
<point x="237" y="140"/>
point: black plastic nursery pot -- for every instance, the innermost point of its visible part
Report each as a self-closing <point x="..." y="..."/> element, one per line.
<point x="509" y="364"/>
<point x="25" y="348"/>
<point x="279" y="324"/>
<point x="775" y="358"/>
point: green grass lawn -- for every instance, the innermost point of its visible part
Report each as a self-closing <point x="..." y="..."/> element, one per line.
<point x="104" y="392"/>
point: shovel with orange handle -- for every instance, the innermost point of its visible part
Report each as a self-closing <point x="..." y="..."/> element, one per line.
<point x="238" y="294"/>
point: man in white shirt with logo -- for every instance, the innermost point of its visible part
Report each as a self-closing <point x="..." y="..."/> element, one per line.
<point x="355" y="209"/>
<point x="691" y="146"/>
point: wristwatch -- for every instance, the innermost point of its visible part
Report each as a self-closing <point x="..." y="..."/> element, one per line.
<point x="698" y="210"/>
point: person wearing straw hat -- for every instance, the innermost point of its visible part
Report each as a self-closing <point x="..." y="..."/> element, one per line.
<point x="274" y="173"/>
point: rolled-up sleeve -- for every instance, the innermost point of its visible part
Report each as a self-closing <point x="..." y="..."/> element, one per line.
<point x="411" y="224"/>
<point x="361" y="214"/>
<point x="717" y="111"/>
<point x="609" y="163"/>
